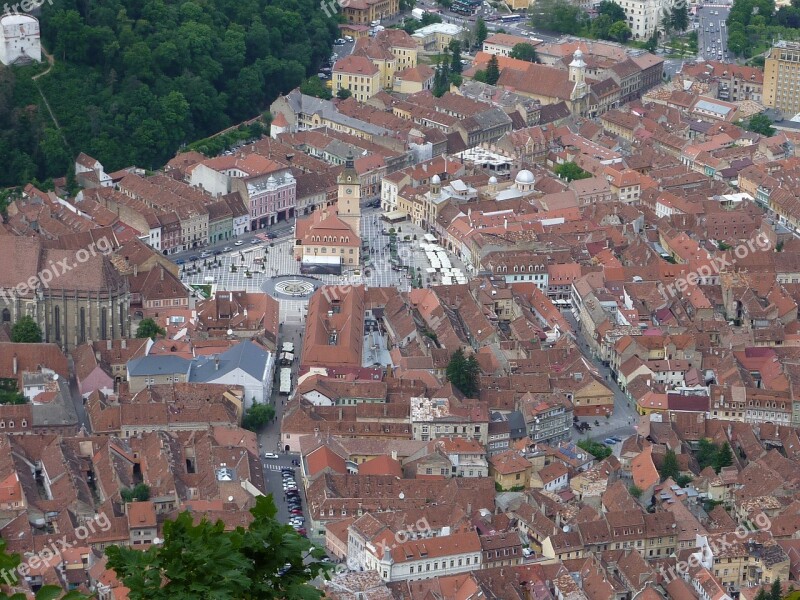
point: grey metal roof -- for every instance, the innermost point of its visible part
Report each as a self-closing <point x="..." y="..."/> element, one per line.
<point x="158" y="364"/>
<point x="247" y="356"/>
<point x="712" y="107"/>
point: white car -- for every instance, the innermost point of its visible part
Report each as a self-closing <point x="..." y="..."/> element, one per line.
<point x="238" y="243"/>
<point x="271" y="456"/>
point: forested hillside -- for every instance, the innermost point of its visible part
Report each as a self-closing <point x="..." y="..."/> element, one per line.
<point x="134" y="79"/>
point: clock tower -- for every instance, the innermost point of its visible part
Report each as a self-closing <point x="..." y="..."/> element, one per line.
<point x="349" y="198"/>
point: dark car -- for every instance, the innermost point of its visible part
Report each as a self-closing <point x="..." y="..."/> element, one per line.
<point x="301" y="531"/>
<point x="180" y="261"/>
<point x="271" y="236"/>
<point x="217" y="252"/>
<point x="194" y="258"/>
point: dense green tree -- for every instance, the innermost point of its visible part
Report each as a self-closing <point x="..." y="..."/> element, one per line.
<point x="314" y="86"/>
<point x="570" y="171"/>
<point x="613" y="10"/>
<point x="480" y="76"/>
<point x="679" y="16"/>
<point x="134" y="81"/>
<point x="523" y="51"/>
<point x="204" y="561"/>
<point x="492" y="70"/>
<point x="705" y="453"/>
<point x="761" y="124"/>
<point x="257" y="416"/>
<point x="464" y="372"/>
<point x="148" y="328"/>
<point x="481" y="32"/>
<point x="430" y="18"/>
<point x="775" y="590"/>
<point x="455" y="57"/>
<point x="635" y="491"/>
<point x="596" y="449"/>
<point x="343" y="94"/>
<point x="139" y="493"/>
<point x="669" y="468"/>
<point x="558" y="15"/>
<point x="723" y="457"/>
<point x="601" y="26"/>
<point x="762" y="594"/>
<point x="26" y="331"/>
<point x="620" y="32"/>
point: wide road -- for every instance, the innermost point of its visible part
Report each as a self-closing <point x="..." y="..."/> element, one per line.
<point x="712" y="33"/>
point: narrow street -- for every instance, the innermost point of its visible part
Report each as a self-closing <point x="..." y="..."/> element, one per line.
<point x="270" y="437"/>
<point x="625" y="417"/>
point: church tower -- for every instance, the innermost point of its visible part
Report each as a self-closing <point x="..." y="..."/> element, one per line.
<point x="577" y="74"/>
<point x="349" y="197"/>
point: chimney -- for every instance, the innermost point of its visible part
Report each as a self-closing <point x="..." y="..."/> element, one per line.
<point x="108" y="344"/>
<point x="123" y="343"/>
<point x="162" y="273"/>
<point x="135" y="270"/>
<point x="469" y="509"/>
<point x="98" y="356"/>
<point x="216" y="363"/>
<point x="394" y="454"/>
<point x="341" y="412"/>
<point x="14" y="364"/>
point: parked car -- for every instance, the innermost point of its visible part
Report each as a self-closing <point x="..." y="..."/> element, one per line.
<point x="254" y="241"/>
<point x="217" y="252"/>
<point x="238" y="243"/>
<point x="270" y="235"/>
<point x="340" y="42"/>
<point x="296" y="511"/>
<point x="301" y="531"/>
<point x="609" y="441"/>
<point x="271" y="456"/>
<point x="204" y="254"/>
<point x="227" y="249"/>
<point x="194" y="257"/>
<point x="616" y="439"/>
<point x="180" y="261"/>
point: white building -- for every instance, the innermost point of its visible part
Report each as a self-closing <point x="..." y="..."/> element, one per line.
<point x="246" y="364"/>
<point x="644" y="16"/>
<point x="422" y="558"/>
<point x="19" y="39"/>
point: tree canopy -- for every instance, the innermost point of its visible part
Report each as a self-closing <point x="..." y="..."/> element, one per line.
<point x="492" y="70"/>
<point x="760" y="124"/>
<point x="523" y="51"/>
<point x="257" y="416"/>
<point x="570" y="171"/>
<point x="132" y="81"/>
<point x="669" y="468"/>
<point x="204" y="561"/>
<point x="596" y="449"/>
<point x="149" y="328"/>
<point x="26" y="331"/>
<point x="463" y="372"/>
<point x="613" y="10"/>
<point x="481" y="32"/>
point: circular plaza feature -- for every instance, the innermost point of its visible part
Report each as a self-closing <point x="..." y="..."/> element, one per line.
<point x="294" y="287"/>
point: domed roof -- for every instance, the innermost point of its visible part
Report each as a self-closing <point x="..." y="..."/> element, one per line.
<point x="524" y="176"/>
<point x="578" y="54"/>
<point x="271" y="179"/>
<point x="492" y="180"/>
<point x="435" y="180"/>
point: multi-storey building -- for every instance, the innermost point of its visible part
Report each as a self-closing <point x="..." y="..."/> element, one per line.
<point x="644" y="16"/>
<point x="782" y="78"/>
